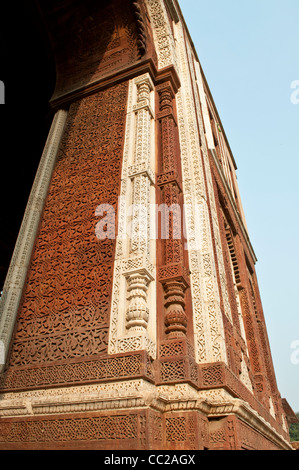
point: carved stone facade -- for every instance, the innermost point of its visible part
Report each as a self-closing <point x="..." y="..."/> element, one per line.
<point x="131" y="316"/>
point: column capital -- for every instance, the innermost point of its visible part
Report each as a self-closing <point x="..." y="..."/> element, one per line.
<point x="144" y="79"/>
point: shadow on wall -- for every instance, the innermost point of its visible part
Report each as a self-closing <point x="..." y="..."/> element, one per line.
<point x="27" y="72"/>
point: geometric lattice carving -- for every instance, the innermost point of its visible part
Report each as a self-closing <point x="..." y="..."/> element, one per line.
<point x="173" y="370"/>
<point x="176" y="429"/>
<point x="218" y="436"/>
<point x="173" y="348"/>
<point x="95" y="370"/>
<point x="71" y="429"/>
<point x="177" y="361"/>
<point x="212" y="375"/>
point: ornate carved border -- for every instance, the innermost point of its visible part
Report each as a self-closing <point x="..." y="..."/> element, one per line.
<point x="133" y="321"/>
<point x="208" y="323"/>
<point x="95" y="370"/>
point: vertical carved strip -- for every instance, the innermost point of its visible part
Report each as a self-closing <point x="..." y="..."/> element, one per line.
<point x="208" y="322"/>
<point x="139" y="173"/>
<point x="141" y="29"/>
<point x="174" y="288"/>
<point x="163" y="36"/>
<point x="17" y="272"/>
<point x="132" y="327"/>
<point x="176" y="353"/>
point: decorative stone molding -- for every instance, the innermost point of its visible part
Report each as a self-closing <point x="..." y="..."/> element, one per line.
<point x="94" y="370"/>
<point x="138" y="312"/>
<point x="132" y="325"/>
<point x="208" y="323"/>
<point x="115" y="395"/>
<point x="141" y="29"/>
<point x="233" y="204"/>
<point x="173" y="10"/>
<point x="174" y="285"/>
<point x="176" y="352"/>
<point x="13" y="287"/>
<point x="163" y="36"/>
<point x="132" y="395"/>
<point x="194" y="67"/>
<point x="245" y="413"/>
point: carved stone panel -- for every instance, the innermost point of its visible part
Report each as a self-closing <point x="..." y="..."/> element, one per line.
<point x="65" y="309"/>
<point x="92" y="39"/>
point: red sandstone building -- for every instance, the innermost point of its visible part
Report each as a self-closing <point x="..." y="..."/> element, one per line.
<point x="122" y="329"/>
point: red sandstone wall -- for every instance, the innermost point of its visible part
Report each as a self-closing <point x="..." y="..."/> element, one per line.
<point x="131" y="430"/>
<point x="65" y="310"/>
<point x="61" y="333"/>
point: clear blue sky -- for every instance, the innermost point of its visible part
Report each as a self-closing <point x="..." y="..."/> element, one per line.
<point x="249" y="52"/>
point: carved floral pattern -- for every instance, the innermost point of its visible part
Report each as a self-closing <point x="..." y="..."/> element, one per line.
<point x="65" y="309"/>
<point x="134" y="271"/>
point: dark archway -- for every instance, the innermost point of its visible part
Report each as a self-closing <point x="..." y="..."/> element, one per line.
<point x="28" y="72"/>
